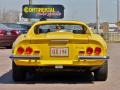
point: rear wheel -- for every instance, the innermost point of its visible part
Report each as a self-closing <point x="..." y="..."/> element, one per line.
<point x="18" y="72"/>
<point x="101" y="73"/>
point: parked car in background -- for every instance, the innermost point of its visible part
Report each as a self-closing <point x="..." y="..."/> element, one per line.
<point x="22" y="28"/>
<point x="7" y="35"/>
<point x="112" y="27"/>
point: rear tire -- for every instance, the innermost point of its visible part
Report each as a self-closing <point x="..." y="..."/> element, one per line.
<point x="101" y="73"/>
<point x="18" y="72"/>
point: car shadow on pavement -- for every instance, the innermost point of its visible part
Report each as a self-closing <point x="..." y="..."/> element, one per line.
<point x="50" y="78"/>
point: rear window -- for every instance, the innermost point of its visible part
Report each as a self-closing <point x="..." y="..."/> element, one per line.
<point x="10" y="25"/>
<point x="80" y="29"/>
<point x="3" y="26"/>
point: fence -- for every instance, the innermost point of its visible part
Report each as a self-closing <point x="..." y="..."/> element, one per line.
<point x="112" y="36"/>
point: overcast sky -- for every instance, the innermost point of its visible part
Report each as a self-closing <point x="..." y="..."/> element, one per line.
<point x="83" y="10"/>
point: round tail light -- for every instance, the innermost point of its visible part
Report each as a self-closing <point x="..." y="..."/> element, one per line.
<point x="3" y="32"/>
<point x="89" y="50"/>
<point x="28" y="50"/>
<point x="15" y="32"/>
<point x="20" y="50"/>
<point x="97" y="50"/>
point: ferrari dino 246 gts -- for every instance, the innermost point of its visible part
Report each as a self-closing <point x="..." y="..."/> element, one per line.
<point x="59" y="45"/>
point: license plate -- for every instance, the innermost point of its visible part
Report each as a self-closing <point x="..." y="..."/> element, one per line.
<point x="59" y="51"/>
<point x="8" y="33"/>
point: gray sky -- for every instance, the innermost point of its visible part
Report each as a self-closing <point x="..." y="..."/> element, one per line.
<point x="83" y="10"/>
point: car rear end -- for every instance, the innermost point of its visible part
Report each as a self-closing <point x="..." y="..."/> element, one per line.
<point x="70" y="51"/>
<point x="8" y="36"/>
<point x="66" y="51"/>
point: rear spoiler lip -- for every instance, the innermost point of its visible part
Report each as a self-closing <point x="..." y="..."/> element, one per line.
<point x="94" y="57"/>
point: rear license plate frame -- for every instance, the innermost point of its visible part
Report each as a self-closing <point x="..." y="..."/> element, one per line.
<point x="66" y="49"/>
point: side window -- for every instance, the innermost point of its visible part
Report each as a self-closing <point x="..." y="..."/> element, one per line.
<point x="77" y="29"/>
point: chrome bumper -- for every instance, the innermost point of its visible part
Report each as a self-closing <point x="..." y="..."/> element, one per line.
<point x="93" y="57"/>
<point x="24" y="57"/>
<point x="38" y="57"/>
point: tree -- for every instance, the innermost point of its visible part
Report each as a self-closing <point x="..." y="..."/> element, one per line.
<point x="9" y="16"/>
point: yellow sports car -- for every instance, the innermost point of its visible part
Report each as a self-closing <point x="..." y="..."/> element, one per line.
<point x="59" y="45"/>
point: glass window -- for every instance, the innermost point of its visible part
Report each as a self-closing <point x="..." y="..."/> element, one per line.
<point x="80" y="29"/>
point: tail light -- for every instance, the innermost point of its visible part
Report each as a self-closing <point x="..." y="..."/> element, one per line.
<point x="89" y="50"/>
<point x="28" y="50"/>
<point x="15" y="32"/>
<point x="20" y="50"/>
<point x="97" y="50"/>
<point x="2" y="32"/>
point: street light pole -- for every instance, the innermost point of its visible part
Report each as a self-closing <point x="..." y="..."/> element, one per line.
<point x="97" y="15"/>
<point x="30" y="2"/>
<point x="117" y="10"/>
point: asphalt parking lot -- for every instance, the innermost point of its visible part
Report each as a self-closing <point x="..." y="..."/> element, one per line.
<point x="62" y="81"/>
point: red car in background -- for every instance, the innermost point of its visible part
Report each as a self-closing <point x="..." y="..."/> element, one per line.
<point x="22" y="28"/>
<point x="7" y="36"/>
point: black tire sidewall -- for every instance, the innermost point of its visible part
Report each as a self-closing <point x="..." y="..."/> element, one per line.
<point x="101" y="74"/>
<point x="18" y="72"/>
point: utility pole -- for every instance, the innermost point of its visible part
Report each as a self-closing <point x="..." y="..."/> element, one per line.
<point x="30" y="3"/>
<point x="97" y="15"/>
<point x="117" y="10"/>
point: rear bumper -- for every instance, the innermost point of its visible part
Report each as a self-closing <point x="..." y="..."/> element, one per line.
<point x="37" y="61"/>
<point x="79" y="57"/>
<point x="24" y="57"/>
<point x="93" y="57"/>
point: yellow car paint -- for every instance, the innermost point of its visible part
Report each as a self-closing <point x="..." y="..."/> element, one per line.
<point x="74" y="42"/>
